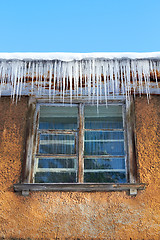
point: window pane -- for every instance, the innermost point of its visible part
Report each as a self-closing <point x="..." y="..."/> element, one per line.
<point x="57" y="144"/>
<point x="56" y="163"/>
<point x="54" y="177"/>
<point x="104" y="177"/>
<point x="52" y="117"/>
<point x="99" y="163"/>
<point x="103" y="136"/>
<point x="104" y="143"/>
<point x="104" y="118"/>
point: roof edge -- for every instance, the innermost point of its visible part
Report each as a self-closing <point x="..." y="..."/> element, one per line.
<point x="66" y="56"/>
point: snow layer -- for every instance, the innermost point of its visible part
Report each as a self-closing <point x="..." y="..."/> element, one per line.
<point x="63" y="56"/>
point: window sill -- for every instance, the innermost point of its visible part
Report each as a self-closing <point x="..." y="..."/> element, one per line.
<point x="78" y="187"/>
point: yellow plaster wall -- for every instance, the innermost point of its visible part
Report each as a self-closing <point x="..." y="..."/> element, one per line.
<point x="68" y="215"/>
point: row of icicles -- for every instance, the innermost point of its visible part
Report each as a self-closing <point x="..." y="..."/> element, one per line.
<point x="95" y="79"/>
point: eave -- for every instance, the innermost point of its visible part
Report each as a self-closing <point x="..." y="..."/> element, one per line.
<point x="94" y="76"/>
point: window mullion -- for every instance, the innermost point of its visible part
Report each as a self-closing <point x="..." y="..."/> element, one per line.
<point x="81" y="144"/>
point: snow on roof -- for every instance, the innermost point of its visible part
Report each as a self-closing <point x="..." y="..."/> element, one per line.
<point x="63" y="56"/>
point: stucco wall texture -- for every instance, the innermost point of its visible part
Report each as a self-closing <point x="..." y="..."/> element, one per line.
<point x="71" y="215"/>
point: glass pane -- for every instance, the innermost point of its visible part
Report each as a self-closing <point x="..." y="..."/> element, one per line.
<point x="104" y="143"/>
<point x="54" y="177"/>
<point x="52" y="117"/>
<point x="56" y="163"/>
<point x="104" y="118"/>
<point x="57" y="144"/>
<point x="104" y="177"/>
<point x="103" y="136"/>
<point x="100" y="163"/>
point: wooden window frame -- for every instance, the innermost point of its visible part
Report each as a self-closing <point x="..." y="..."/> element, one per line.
<point x="27" y="184"/>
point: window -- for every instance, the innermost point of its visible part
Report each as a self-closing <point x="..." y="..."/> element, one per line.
<point x="80" y="148"/>
<point x="80" y="144"/>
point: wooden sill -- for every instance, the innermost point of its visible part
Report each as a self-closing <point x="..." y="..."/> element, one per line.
<point x="78" y="187"/>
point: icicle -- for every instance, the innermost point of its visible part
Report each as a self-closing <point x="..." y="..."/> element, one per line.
<point x="40" y="78"/>
<point x="58" y="75"/>
<point x="80" y="73"/>
<point x="15" y="80"/>
<point x="60" y="80"/>
<point x="100" y="80"/>
<point x="89" y="79"/>
<point x="50" y="80"/>
<point x="12" y="79"/>
<point x="1" y="76"/>
<point x="122" y="84"/>
<point x="36" y="73"/>
<point x="125" y="81"/>
<point x="139" y="70"/>
<point x="155" y="73"/>
<point x="116" y="71"/>
<point x="32" y="75"/>
<point x="67" y="78"/>
<point x="28" y="72"/>
<point x="158" y="69"/>
<point x="105" y="84"/>
<point x="70" y="79"/>
<point x="107" y="80"/>
<point x="54" y="83"/>
<point x="85" y="78"/>
<point x="97" y="80"/>
<point x="25" y="73"/>
<point x="18" y="82"/>
<point x="128" y="77"/>
<point x="111" y="75"/>
<point x="134" y="75"/>
<point x="64" y="76"/>
<point x="93" y="78"/>
<point x="44" y="77"/>
<point x="21" y="80"/>
<point x="15" y="77"/>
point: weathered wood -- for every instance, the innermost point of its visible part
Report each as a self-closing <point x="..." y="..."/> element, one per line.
<point x="78" y="187"/>
<point x="56" y="131"/>
<point x="81" y="144"/>
<point x="26" y="171"/>
<point x="57" y="101"/>
<point x="103" y="156"/>
<point x="54" y="170"/>
<point x="42" y="155"/>
<point x="103" y="170"/>
<point x="105" y="130"/>
<point x="35" y="145"/>
<point x="132" y="161"/>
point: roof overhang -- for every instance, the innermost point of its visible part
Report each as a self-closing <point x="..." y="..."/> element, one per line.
<point x="95" y="76"/>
